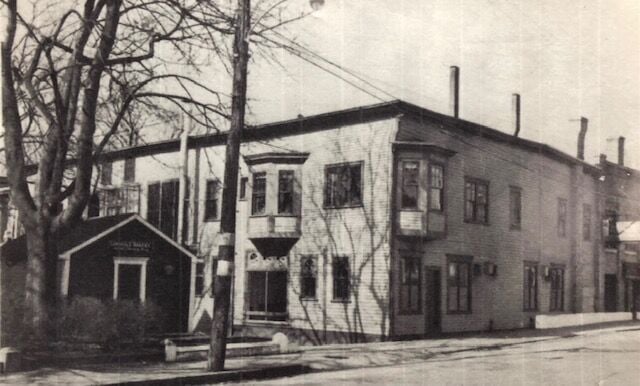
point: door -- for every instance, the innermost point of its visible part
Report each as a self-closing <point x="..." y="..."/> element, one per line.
<point x="432" y="300"/>
<point x="610" y="293"/>
<point x="129" y="282"/>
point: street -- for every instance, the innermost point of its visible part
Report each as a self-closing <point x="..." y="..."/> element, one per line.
<point x="590" y="358"/>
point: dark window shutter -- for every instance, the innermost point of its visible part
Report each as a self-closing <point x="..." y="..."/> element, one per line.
<point x="153" y="205"/>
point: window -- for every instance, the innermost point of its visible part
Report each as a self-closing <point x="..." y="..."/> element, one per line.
<point x="113" y="201"/>
<point x="267" y="295"/>
<point x="459" y="285"/>
<point x="285" y="192"/>
<point x="308" y="277"/>
<point x="410" y="272"/>
<point x="436" y="187"/>
<point x="199" y="284"/>
<point x="130" y="170"/>
<point x="410" y="186"/>
<point x="211" y="200"/>
<point x="476" y="203"/>
<point x="515" y="207"/>
<point x="530" y="285"/>
<point x="258" y="196"/>
<point x="243" y="188"/>
<point x="562" y="217"/>
<point x="105" y="173"/>
<point x="586" y="222"/>
<point x="341" y="272"/>
<point x="162" y="206"/>
<point x="343" y="185"/>
<point x="557" y="289"/>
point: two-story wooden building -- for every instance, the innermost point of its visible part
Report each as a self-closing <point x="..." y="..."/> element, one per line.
<point x="384" y="221"/>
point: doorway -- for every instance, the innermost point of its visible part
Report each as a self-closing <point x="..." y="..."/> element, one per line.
<point x="610" y="293"/>
<point x="432" y="301"/>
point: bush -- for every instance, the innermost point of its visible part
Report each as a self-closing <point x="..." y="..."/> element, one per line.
<point x="111" y="323"/>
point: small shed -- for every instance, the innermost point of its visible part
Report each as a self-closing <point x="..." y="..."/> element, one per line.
<point x="120" y="257"/>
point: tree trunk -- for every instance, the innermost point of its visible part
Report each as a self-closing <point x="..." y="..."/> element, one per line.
<point x="40" y="285"/>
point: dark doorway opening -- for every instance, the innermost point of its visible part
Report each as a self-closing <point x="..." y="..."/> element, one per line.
<point x="267" y="295"/>
<point x="129" y="282"/>
<point x="432" y="301"/>
<point x="610" y="293"/>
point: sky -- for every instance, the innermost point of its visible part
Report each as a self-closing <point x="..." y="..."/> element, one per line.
<point x="567" y="59"/>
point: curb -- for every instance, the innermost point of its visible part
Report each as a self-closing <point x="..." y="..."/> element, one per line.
<point x="224" y="376"/>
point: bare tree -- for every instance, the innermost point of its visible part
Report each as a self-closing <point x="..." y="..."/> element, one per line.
<point x="75" y="80"/>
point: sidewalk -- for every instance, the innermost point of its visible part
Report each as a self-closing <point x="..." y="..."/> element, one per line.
<point x="321" y="358"/>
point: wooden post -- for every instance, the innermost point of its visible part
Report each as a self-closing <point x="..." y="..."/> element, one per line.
<point x="226" y="239"/>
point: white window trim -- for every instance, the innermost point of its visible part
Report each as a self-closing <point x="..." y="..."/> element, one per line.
<point x="142" y="262"/>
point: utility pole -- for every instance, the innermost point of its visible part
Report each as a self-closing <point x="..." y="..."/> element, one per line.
<point x="226" y="239"/>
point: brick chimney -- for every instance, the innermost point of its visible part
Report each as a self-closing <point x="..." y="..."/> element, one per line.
<point x="454" y="93"/>
<point x="584" y="125"/>
<point x="621" y="151"/>
<point x="515" y="108"/>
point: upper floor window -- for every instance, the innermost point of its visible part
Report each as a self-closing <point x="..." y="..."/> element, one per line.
<point x="343" y="185"/>
<point x="562" y="217"/>
<point x="436" y="187"/>
<point x="123" y="199"/>
<point x="105" y="173"/>
<point x="162" y="206"/>
<point x="341" y="280"/>
<point x="586" y="222"/>
<point x="410" y="285"/>
<point x="530" y="287"/>
<point x="308" y="277"/>
<point x="515" y="207"/>
<point x="130" y="170"/>
<point x="476" y="201"/>
<point x="459" y="285"/>
<point x="285" y="191"/>
<point x="258" y="196"/>
<point x="211" y="200"/>
<point x="410" y="186"/>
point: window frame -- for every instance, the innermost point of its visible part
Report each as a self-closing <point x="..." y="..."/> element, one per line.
<point x="129" y="174"/>
<point x="214" y="199"/>
<point x="441" y="203"/>
<point x="263" y="194"/>
<point x="305" y="275"/>
<point x="349" y="202"/>
<point x="473" y="219"/>
<point x="340" y="259"/>
<point x="556" y="295"/>
<point x="404" y="184"/>
<point x="527" y="288"/>
<point x="515" y="207"/>
<point x="457" y="261"/>
<point x="562" y="217"/>
<point x="405" y="305"/>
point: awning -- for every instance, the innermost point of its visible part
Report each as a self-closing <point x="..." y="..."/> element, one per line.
<point x="628" y="231"/>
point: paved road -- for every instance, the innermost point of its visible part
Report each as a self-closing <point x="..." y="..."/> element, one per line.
<point x="592" y="358"/>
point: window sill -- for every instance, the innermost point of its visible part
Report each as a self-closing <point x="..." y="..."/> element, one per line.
<point x="248" y="321"/>
<point x="308" y="299"/>
<point x="341" y="301"/>
<point x="343" y="207"/>
<point x="410" y="210"/>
